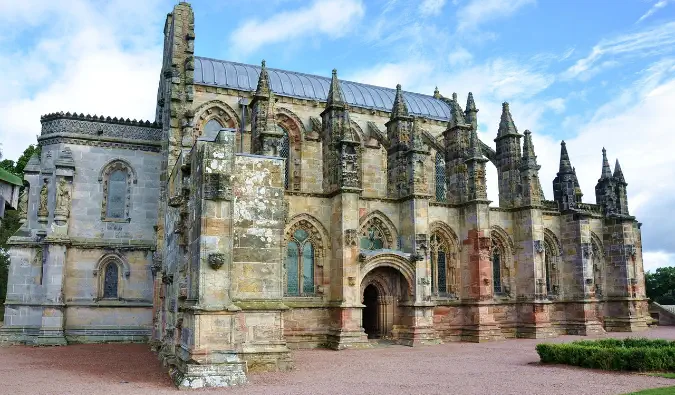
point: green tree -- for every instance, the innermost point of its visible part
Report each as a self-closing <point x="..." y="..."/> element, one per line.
<point x="661" y="285"/>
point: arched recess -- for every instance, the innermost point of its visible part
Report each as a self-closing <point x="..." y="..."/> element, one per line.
<point x="376" y="231"/>
<point x="503" y="272"/>
<point x="395" y="261"/>
<point x="598" y="266"/>
<point x="357" y="132"/>
<point x="116" y="191"/>
<point x="306" y="251"/>
<point x="552" y="263"/>
<point x="218" y="111"/>
<point x="110" y="272"/>
<point x="291" y="148"/>
<point x="444" y="257"/>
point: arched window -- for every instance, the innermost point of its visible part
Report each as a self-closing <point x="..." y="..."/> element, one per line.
<point x="212" y="126"/>
<point x="444" y="265"/>
<point x="372" y="238"/>
<point x="117" y="178"/>
<point x="549" y="267"/>
<point x="117" y="191"/>
<point x="284" y="152"/>
<point x="598" y="269"/>
<point x="300" y="265"/>
<point x="496" y="269"/>
<point x="377" y="232"/>
<point x="111" y="281"/>
<point x="440" y="177"/>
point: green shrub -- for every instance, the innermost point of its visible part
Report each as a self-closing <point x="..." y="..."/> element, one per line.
<point x="612" y="354"/>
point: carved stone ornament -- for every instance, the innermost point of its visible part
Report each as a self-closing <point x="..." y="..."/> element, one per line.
<point x="416" y="258"/>
<point x="587" y="251"/>
<point x="351" y="238"/>
<point x="216" y="260"/>
<point x="425" y="281"/>
<point x="351" y="281"/>
<point x="362" y="257"/>
<point x="42" y="208"/>
<point x="539" y="246"/>
<point x="630" y="249"/>
<point x="63" y="198"/>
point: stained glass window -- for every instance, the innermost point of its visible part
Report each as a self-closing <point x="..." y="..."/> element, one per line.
<point x="300" y="265"/>
<point x="117" y="194"/>
<point x="284" y="151"/>
<point x="440" y="178"/>
<point x="110" y="281"/>
<point x="212" y="126"/>
<point x="496" y="270"/>
<point x="548" y="258"/>
<point x="292" y="288"/>
<point x="442" y="276"/>
<point x="372" y="239"/>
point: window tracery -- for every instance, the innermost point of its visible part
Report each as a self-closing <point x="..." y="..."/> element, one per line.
<point x="551" y="264"/>
<point x="444" y="265"/>
<point x="117" y="178"/>
<point x="110" y="270"/>
<point x="440" y="178"/>
<point x="497" y="272"/>
<point x="284" y="152"/>
<point x="376" y="233"/>
<point x="304" y="258"/>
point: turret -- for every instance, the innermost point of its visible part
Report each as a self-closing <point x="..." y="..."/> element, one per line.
<point x="565" y="185"/>
<point x="266" y="135"/>
<point x="508" y="159"/>
<point x="605" y="188"/>
<point x="406" y="154"/>
<point x="475" y="163"/>
<point x="529" y="174"/>
<point x="341" y="158"/>
<point x="456" y="138"/>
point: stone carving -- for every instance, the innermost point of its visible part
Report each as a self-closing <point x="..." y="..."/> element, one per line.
<point x="351" y="238"/>
<point x="630" y="250"/>
<point x="539" y="246"/>
<point x="23" y="204"/>
<point x="43" y="211"/>
<point x="63" y="198"/>
<point x="586" y="250"/>
<point x="100" y="126"/>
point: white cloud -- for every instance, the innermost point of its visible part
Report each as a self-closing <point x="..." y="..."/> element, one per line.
<point x="477" y="12"/>
<point x="459" y="56"/>
<point x="431" y="7"/>
<point x="82" y="58"/>
<point x="333" y="18"/>
<point x="652" y="260"/>
<point x="658" y="5"/>
<point x="657" y="40"/>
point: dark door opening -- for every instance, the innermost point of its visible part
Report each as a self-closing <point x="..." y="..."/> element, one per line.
<point x="370" y="312"/>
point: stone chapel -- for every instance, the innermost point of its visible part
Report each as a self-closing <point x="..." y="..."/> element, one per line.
<point x="265" y="210"/>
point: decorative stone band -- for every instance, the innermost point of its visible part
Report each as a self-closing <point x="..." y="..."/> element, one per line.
<point x="100" y="127"/>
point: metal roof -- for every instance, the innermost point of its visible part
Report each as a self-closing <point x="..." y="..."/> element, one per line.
<point x="226" y="74"/>
<point x="10" y="178"/>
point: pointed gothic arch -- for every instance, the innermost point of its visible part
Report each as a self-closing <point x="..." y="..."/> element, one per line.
<point x="444" y="258"/>
<point x="117" y="177"/>
<point x="291" y="146"/>
<point x="111" y="270"/>
<point x="215" y="112"/>
<point x="552" y="262"/>
<point x="598" y="266"/>
<point x="376" y="231"/>
<point x="306" y="250"/>
<point x="503" y="273"/>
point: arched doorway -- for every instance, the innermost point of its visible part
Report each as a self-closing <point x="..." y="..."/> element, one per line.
<point x="370" y="312"/>
<point x="383" y="288"/>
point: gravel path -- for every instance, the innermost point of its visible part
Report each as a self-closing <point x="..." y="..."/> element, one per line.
<point x="508" y="367"/>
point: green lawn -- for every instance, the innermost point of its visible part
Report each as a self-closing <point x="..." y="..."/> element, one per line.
<point x="665" y="375"/>
<point x="656" y="391"/>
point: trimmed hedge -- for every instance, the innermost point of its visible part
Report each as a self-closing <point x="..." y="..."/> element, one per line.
<point x="612" y="354"/>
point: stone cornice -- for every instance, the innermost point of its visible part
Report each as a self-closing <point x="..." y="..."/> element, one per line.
<point x="98" y="118"/>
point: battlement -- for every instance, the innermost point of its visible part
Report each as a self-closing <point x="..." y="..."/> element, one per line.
<point x="98" y="118"/>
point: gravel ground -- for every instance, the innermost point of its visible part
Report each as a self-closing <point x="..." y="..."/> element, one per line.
<point x="507" y="367"/>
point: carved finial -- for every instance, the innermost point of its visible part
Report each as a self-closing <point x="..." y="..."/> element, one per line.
<point x="506" y="124"/>
<point x="262" y="64"/>
<point x="454" y="96"/>
<point x="335" y="95"/>
<point x="263" y="88"/>
<point x="399" y="108"/>
<point x="437" y="93"/>
<point x="529" y="157"/>
<point x="470" y="104"/>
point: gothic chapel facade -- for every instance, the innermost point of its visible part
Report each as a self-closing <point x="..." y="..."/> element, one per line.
<point x="266" y="210"/>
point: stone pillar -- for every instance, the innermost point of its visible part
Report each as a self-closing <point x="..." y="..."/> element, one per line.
<point x="479" y="324"/>
<point x="624" y="278"/>
<point x="345" y="330"/>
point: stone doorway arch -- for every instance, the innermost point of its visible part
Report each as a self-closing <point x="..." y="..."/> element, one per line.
<point x="382" y="290"/>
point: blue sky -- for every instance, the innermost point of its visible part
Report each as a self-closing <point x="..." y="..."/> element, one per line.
<point x="595" y="73"/>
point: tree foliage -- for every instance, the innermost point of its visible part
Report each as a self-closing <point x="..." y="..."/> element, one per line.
<point x="661" y="285"/>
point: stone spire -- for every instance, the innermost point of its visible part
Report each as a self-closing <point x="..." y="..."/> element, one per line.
<point x="618" y="174"/>
<point x="471" y="112"/>
<point x="529" y="158"/>
<point x="606" y="170"/>
<point x="399" y="109"/>
<point x="263" y="88"/>
<point x="335" y="95"/>
<point x="506" y="125"/>
<point x="475" y="163"/>
<point x="565" y="164"/>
